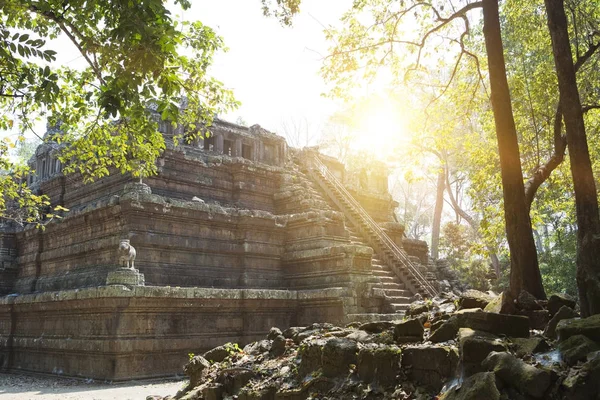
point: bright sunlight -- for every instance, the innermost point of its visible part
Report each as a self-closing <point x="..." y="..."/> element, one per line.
<point x="381" y="126"/>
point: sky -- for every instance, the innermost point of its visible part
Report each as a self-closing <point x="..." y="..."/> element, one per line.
<point x="273" y="70"/>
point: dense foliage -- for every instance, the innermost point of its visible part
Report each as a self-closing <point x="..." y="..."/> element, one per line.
<point x="137" y="58"/>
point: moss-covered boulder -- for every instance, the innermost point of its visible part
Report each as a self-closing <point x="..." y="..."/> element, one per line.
<point x="430" y="366"/>
<point x="337" y="355"/>
<point x="527" y="346"/>
<point x="589" y="327"/>
<point x="557" y="300"/>
<point x="474" y="299"/>
<point x="477" y="387"/>
<point x="576" y="348"/>
<point x="474" y="347"/>
<point x="409" y="331"/>
<point x="583" y="383"/>
<point x="380" y="364"/>
<point x="564" y="313"/>
<point x="514" y="372"/>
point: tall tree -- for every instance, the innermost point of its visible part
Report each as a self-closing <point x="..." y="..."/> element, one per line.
<point x="437" y="213"/>
<point x="586" y="200"/>
<point x="524" y="271"/>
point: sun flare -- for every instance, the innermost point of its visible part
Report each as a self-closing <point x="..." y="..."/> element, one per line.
<point x="381" y="127"/>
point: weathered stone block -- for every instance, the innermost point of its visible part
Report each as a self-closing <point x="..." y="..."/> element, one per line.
<point x="337" y="355"/>
<point x="477" y="387"/>
<point x="474" y="299"/>
<point x="514" y="372"/>
<point x="557" y="300"/>
<point x="410" y="330"/>
<point x="125" y="276"/>
<point x="379" y="363"/>
<point x="430" y="366"/>
<point x="474" y="347"/>
<point x="589" y="327"/>
<point x="576" y="348"/>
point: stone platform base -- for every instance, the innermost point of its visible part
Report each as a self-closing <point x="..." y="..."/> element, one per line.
<point x="125" y="276"/>
<point x="120" y="333"/>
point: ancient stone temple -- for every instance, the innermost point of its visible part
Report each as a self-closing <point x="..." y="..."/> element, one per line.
<point x="236" y="234"/>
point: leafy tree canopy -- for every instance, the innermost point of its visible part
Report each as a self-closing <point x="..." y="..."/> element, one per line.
<point x="139" y="63"/>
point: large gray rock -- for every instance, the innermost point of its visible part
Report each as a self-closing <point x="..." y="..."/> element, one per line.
<point x="310" y="356"/>
<point x="278" y="346"/>
<point x="376" y="326"/>
<point x="273" y="333"/>
<point x="589" y="327"/>
<point x="477" y="387"/>
<point x="262" y="346"/>
<point x="447" y="331"/>
<point x="474" y="347"/>
<point x="410" y="330"/>
<point x="417" y="307"/>
<point x="498" y="324"/>
<point x="538" y="319"/>
<point x="196" y="370"/>
<point x="430" y="366"/>
<point x="514" y="372"/>
<point x="292" y="332"/>
<point x="576" y="348"/>
<point x="360" y="336"/>
<point x="474" y="299"/>
<point x="217" y="354"/>
<point x="338" y="354"/>
<point x="564" y="313"/>
<point x="557" y="300"/>
<point x="528" y="346"/>
<point x="379" y="364"/>
<point x="233" y="379"/>
<point x="527" y="301"/>
<point x="583" y="383"/>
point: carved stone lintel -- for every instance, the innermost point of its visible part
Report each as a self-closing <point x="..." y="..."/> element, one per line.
<point x="125" y="276"/>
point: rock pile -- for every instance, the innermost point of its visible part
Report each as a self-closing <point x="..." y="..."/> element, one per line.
<point x="440" y="350"/>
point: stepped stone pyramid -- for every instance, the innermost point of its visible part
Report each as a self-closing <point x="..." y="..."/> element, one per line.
<point x="237" y="233"/>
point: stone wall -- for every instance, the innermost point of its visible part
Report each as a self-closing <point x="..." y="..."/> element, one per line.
<point x="8" y="258"/>
<point x="119" y="334"/>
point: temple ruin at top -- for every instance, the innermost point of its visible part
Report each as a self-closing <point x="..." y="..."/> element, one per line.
<point x="235" y="234"/>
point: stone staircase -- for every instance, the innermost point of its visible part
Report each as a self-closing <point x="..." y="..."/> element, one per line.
<point x="391" y="261"/>
<point x="386" y="285"/>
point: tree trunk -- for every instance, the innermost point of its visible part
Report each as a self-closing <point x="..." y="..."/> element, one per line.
<point x="524" y="271"/>
<point x="586" y="201"/>
<point x="437" y="213"/>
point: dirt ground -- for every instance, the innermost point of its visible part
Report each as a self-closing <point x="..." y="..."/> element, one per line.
<point x="26" y="387"/>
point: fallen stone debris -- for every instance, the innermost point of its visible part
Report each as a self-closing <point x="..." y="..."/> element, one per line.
<point x="439" y="350"/>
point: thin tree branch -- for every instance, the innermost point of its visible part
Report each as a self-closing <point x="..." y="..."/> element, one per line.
<point x="62" y="23"/>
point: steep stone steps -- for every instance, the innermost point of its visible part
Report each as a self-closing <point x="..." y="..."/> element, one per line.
<point x="383" y="273"/>
<point x="394" y="292"/>
<point x="399" y="307"/>
<point x="398" y="293"/>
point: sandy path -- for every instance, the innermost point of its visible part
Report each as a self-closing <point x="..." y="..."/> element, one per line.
<point x="24" y="387"/>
